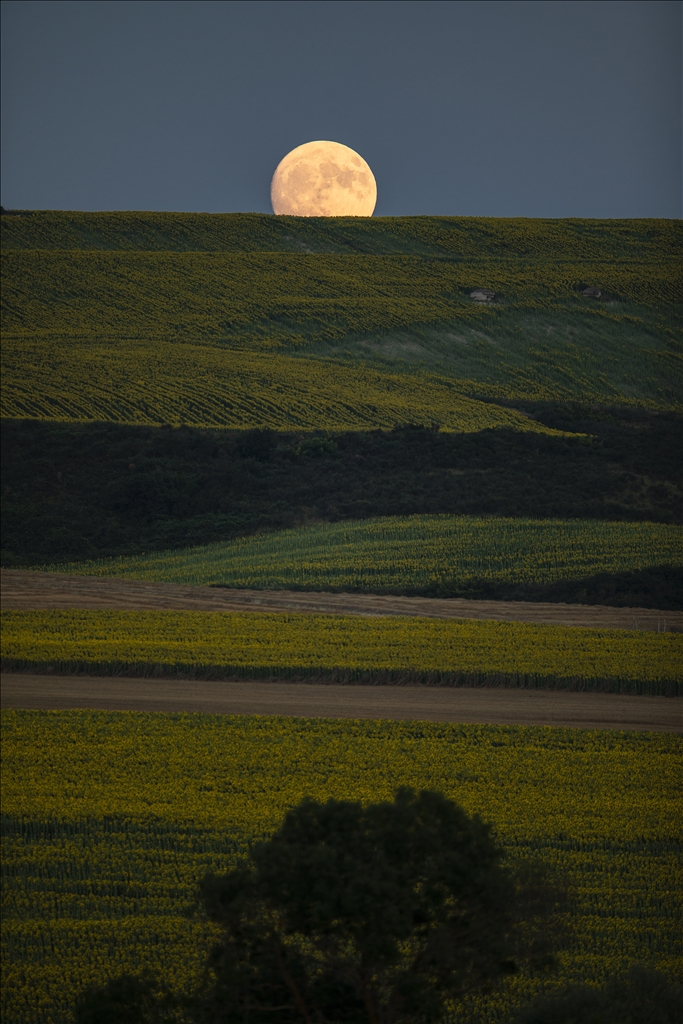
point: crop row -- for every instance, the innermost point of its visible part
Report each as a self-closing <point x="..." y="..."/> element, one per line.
<point x="201" y="385"/>
<point x="400" y="554"/>
<point x="112" y="818"/>
<point x="464" y="237"/>
<point x="155" y="382"/>
<point x="342" y="648"/>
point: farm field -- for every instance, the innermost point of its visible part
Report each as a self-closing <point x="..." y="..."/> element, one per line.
<point x="485" y="705"/>
<point x="521" y="355"/>
<point x="308" y="297"/>
<point x="459" y="237"/>
<point x="199" y="385"/>
<point x="244" y="323"/>
<point x="342" y="649"/>
<point x="76" y="379"/>
<point x="112" y="818"/>
<point x="431" y="555"/>
<point x="399" y="299"/>
<point x="22" y="589"/>
<point x="215" y="410"/>
<point x="75" y="491"/>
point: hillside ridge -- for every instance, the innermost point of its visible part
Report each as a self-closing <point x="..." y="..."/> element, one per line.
<point x="465" y="237"/>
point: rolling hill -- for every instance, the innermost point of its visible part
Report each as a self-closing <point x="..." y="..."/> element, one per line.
<point x="325" y="369"/>
<point x="252" y="401"/>
<point x="394" y="292"/>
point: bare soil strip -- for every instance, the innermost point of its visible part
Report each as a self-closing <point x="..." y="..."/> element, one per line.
<point x="22" y="589"/>
<point x="314" y="700"/>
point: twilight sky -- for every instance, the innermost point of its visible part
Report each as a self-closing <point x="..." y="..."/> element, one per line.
<point x="535" y="108"/>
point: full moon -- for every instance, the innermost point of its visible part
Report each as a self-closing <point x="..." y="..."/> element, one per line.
<point x="323" y="179"/>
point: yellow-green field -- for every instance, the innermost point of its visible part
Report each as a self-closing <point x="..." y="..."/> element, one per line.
<point x="199" y="385"/>
<point x="242" y="321"/>
<point x="280" y="297"/>
<point x="111" y="819"/>
<point x="93" y="330"/>
<point x="407" y="553"/>
<point x="342" y="648"/>
<point x="634" y="239"/>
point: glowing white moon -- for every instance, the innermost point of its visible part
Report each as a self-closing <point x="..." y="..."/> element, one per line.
<point x="323" y="179"/>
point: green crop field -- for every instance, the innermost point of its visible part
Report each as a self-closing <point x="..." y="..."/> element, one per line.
<point x="342" y="649"/>
<point x="459" y="237"/>
<point x="76" y="491"/>
<point x="197" y="385"/>
<point x="90" y="298"/>
<point x="408" y="554"/>
<point x="277" y="298"/>
<point x="111" y="819"/>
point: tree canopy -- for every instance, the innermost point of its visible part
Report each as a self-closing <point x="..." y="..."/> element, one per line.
<point x="352" y="914"/>
<point x="374" y="914"/>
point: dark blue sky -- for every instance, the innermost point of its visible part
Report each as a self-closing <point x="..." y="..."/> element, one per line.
<point x="541" y="109"/>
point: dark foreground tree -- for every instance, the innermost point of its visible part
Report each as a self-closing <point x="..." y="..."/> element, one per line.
<point x="374" y="914"/>
<point x="640" y="997"/>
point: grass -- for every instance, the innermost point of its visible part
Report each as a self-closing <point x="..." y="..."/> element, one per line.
<point x="111" y="819"/>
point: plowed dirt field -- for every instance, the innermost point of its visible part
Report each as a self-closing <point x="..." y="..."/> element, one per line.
<point x="22" y="589"/>
<point x="315" y="700"/>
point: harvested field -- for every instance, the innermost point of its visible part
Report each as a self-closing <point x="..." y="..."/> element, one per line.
<point x="22" y="589"/>
<point x="314" y="700"/>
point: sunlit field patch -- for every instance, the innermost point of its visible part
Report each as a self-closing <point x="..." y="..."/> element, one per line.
<point x="341" y="648"/>
<point x="199" y="385"/>
<point x="401" y="554"/>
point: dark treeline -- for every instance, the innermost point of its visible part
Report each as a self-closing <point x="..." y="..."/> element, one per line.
<point x="77" y="491"/>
